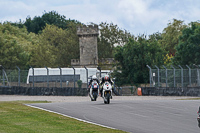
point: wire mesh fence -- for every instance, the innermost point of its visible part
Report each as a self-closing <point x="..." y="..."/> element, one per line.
<point x="48" y="81"/>
<point x="17" y="77"/>
<point x="174" y="77"/>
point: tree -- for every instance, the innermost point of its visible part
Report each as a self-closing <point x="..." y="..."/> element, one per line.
<point x="170" y="36"/>
<point x="15" y="46"/>
<point x="37" y="24"/>
<point x="56" y="47"/>
<point x="110" y="35"/>
<point x="188" y="49"/>
<point x="133" y="58"/>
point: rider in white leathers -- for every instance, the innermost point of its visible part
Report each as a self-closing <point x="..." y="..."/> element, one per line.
<point x="91" y="80"/>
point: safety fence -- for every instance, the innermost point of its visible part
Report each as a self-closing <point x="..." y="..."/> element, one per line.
<point x="67" y="80"/>
<point x="27" y="78"/>
<point x="174" y="77"/>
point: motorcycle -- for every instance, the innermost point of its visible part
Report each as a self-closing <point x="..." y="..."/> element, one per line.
<point x="94" y="91"/>
<point x="107" y="92"/>
<point x="198" y="118"/>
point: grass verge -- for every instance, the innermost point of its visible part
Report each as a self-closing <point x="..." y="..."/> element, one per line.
<point x="15" y="117"/>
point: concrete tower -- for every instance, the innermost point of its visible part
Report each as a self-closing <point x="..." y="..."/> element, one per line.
<point x="88" y="45"/>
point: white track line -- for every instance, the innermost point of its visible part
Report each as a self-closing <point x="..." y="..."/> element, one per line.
<point x="70" y="117"/>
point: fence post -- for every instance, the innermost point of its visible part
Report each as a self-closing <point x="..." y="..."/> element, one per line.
<point x="60" y="77"/>
<point x="18" y="75"/>
<point x="174" y="76"/>
<point x="99" y="68"/>
<point x="150" y="75"/>
<point x="74" y="76"/>
<point x="47" y="76"/>
<point x="181" y="76"/>
<point x="3" y="72"/>
<point x="86" y="75"/>
<point x="158" y="76"/>
<point x="166" y="75"/>
<point x="199" y="77"/>
<point x="33" y="75"/>
<point x="189" y="75"/>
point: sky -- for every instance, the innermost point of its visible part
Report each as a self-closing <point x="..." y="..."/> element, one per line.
<point x="136" y="16"/>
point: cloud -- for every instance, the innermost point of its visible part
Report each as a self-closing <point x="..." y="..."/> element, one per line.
<point x="139" y="15"/>
<point x="136" y="16"/>
<point x="15" y="10"/>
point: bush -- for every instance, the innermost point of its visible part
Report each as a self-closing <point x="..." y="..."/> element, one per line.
<point x="79" y="82"/>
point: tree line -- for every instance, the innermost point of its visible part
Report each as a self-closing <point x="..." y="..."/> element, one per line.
<point x="50" y="40"/>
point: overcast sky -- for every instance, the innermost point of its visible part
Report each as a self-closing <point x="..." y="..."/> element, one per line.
<point x="136" y="16"/>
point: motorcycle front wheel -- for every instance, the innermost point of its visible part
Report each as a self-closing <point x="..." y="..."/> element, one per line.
<point x="107" y="96"/>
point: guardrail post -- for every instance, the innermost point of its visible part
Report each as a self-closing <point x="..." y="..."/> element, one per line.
<point x="189" y="75"/>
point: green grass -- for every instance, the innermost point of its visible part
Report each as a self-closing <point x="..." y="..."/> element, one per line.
<point x="15" y="117"/>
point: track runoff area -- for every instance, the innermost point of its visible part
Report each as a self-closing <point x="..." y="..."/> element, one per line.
<point x="132" y="114"/>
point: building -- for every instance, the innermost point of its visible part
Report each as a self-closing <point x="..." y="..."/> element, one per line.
<point x="88" y="47"/>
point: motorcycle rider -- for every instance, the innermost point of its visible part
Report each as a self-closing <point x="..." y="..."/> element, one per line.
<point x="104" y="79"/>
<point x="94" y="77"/>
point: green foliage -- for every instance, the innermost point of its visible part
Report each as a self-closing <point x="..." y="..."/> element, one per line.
<point x="37" y="24"/>
<point x="188" y="49"/>
<point x="79" y="82"/>
<point x="18" y="24"/>
<point x="170" y="36"/>
<point x="110" y="35"/>
<point x="15" y="46"/>
<point x="57" y="43"/>
<point x="133" y="58"/>
<point x="56" y="47"/>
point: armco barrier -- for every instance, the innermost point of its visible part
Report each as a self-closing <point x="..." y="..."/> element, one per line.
<point x="170" y="91"/>
<point x="15" y="90"/>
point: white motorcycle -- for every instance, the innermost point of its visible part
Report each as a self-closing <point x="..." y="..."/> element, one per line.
<point x="94" y="91"/>
<point x="107" y="92"/>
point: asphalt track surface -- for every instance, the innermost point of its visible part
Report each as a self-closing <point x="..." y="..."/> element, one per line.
<point x="136" y="116"/>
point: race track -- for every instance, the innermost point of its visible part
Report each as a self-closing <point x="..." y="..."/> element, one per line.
<point x="136" y="116"/>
